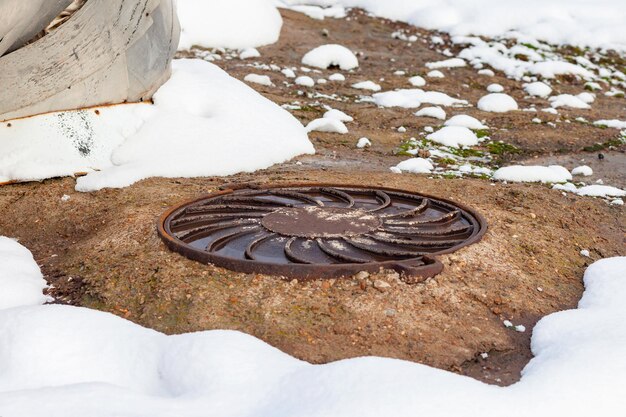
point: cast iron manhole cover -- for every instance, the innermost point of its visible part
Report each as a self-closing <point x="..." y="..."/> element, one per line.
<point x="304" y="231"/>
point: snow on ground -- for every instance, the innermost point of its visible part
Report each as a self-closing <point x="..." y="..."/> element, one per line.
<point x="464" y="120"/>
<point x="412" y="98"/>
<point x="454" y="136"/>
<point x="328" y="55"/>
<point x="367" y="85"/>
<point x="363" y="143"/>
<point x="434" y="112"/>
<point x="595" y="190"/>
<point x="568" y="100"/>
<point x="415" y="166"/>
<point x="495" y="88"/>
<point x="497" y="103"/>
<point x="583" y="170"/>
<point x="615" y="124"/>
<point x="258" y="79"/>
<point x="103" y="365"/>
<point x="538" y="89"/>
<point x="339" y="115"/>
<point x="203" y="123"/>
<point x="305" y="81"/>
<point x="236" y="24"/>
<point x="595" y="23"/>
<point x="533" y="173"/>
<point x="447" y="63"/>
<point x="417" y="81"/>
<point x="21" y="282"/>
<point x="326" y="124"/>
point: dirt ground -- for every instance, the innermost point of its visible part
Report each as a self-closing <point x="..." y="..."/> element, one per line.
<point x="101" y="250"/>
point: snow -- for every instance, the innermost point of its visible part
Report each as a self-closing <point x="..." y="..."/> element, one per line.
<point x="417" y="81"/>
<point x="367" y="85"/>
<point x="533" y="173"/>
<point x="249" y="53"/>
<point x="435" y="74"/>
<point x="486" y="72"/>
<point x="601" y="191"/>
<point x="614" y="123"/>
<point x="235" y="24"/>
<point x="448" y="63"/>
<point x="363" y="143"/>
<point x="338" y="114"/>
<point x="495" y="88"/>
<point x="319" y="13"/>
<point x="328" y="125"/>
<point x="454" y="136"/>
<point x="594" y="23"/>
<point x="21" y="282"/>
<point x="258" y="79"/>
<point x="412" y="98"/>
<point x="464" y="120"/>
<point x="203" y="123"/>
<point x="305" y="81"/>
<point x="538" y="89"/>
<point x="550" y="69"/>
<point x="337" y="77"/>
<point x="415" y="166"/>
<point x="326" y="56"/>
<point x="103" y="365"/>
<point x="434" y="112"/>
<point x="497" y="103"/>
<point x="289" y="73"/>
<point x="568" y="100"/>
<point x="583" y="170"/>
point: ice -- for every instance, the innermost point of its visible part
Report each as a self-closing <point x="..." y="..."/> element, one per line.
<point x="497" y="103"/>
<point x="533" y="173"/>
<point x="203" y="123"/>
<point x="326" y="56"/>
<point x="448" y="63"/>
<point x="305" y="81"/>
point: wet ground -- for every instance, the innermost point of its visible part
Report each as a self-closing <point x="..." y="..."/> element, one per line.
<point x="101" y="250"/>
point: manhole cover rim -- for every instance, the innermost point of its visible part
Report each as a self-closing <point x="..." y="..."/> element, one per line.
<point x="431" y="268"/>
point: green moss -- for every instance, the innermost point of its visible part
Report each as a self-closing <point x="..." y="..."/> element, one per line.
<point x="466" y="153"/>
<point x="608" y="144"/>
<point x="481" y="133"/>
<point x="501" y="148"/>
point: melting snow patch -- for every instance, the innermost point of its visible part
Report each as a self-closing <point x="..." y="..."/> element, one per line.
<point x="338" y="114"/>
<point x="497" y="103"/>
<point x="434" y="112"/>
<point x="327" y="125"/>
<point x="416" y="166"/>
<point x="367" y="85"/>
<point x="454" y="136"/>
<point x="363" y="143"/>
<point x="337" y="77"/>
<point x="568" y="100"/>
<point x="235" y="24"/>
<point x="519" y="173"/>
<point x="417" y="81"/>
<point x="203" y="123"/>
<point x="258" y="79"/>
<point x="448" y="63"/>
<point x="495" y="88"/>
<point x="583" y="170"/>
<point x="615" y="124"/>
<point x="412" y="98"/>
<point x="464" y="120"/>
<point x="249" y="53"/>
<point x="326" y="56"/>
<point x="538" y="89"/>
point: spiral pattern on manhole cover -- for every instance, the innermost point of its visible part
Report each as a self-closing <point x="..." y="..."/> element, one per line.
<point x="304" y="231"/>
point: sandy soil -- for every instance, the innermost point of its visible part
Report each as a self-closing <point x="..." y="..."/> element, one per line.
<point x="101" y="250"/>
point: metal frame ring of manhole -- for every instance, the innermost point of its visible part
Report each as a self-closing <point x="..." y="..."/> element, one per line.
<point x="307" y="231"/>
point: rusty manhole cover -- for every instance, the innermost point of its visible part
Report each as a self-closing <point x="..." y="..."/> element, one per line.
<point x="305" y="231"/>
